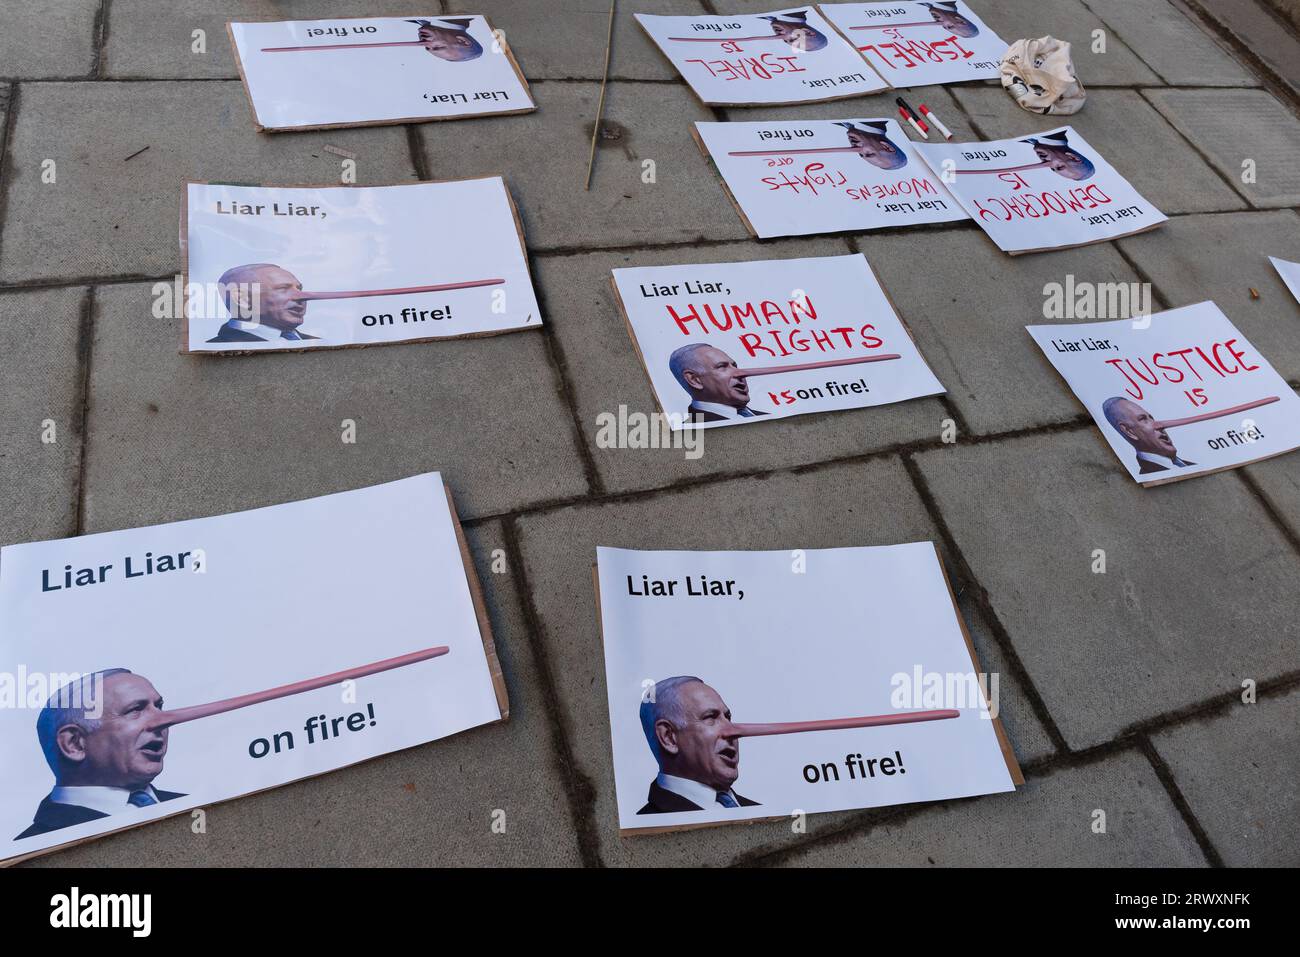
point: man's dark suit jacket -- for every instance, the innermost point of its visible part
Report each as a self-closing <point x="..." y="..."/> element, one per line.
<point x="228" y="334"/>
<point x="666" y="802"/>
<point x="704" y="415"/>
<point x="51" y="816"/>
<point x="1144" y="466"/>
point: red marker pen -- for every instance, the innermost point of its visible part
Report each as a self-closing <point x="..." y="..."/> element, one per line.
<point x="938" y="123"/>
<point x="911" y="119"/>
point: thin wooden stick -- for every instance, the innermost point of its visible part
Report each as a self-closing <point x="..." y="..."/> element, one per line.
<point x="1206" y="416"/>
<point x="829" y="364"/>
<point x="839" y="724"/>
<point x="404" y="291"/>
<point x="168" y="718"/>
<point x="600" y="108"/>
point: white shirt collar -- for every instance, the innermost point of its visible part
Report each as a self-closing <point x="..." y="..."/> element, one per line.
<point x="726" y="411"/>
<point x="1161" y="460"/>
<point x="693" y="791"/>
<point x="266" y="332"/>
<point x="106" y="800"/>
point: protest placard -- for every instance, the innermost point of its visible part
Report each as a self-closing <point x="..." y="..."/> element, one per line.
<point x="296" y="268"/>
<point x="918" y="44"/>
<point x="787" y="56"/>
<point x="365" y="71"/>
<point x="1046" y="191"/>
<point x="793" y="178"/>
<point x="150" y="671"/>
<point x="1177" y="394"/>
<point x="1290" y="274"/>
<point x="747" y="342"/>
<point x="844" y="678"/>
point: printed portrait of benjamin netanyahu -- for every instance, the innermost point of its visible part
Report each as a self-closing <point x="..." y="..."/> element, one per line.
<point x="688" y="726"/>
<point x="100" y="741"/>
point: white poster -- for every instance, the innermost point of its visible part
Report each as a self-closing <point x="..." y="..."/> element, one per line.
<point x="1045" y="191"/>
<point x="918" y="44"/>
<point x="273" y="267"/>
<point x="150" y="671"/>
<point x="795" y="178"/>
<point x="757" y="684"/>
<point x="355" y="71"/>
<point x="1177" y="394"/>
<point x="1290" y="273"/>
<point x="788" y="56"/>
<point x="746" y="342"/>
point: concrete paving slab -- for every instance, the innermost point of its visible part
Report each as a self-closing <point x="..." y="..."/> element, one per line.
<point x="110" y="215"/>
<point x="606" y="373"/>
<point x="969" y="317"/>
<point x="429" y="806"/>
<point x="1070" y="20"/>
<point x="1029" y="739"/>
<point x="1259" y="30"/>
<point x="1194" y="258"/>
<point x="1144" y="148"/>
<point x="1235" y="126"/>
<point x="1240" y="773"/>
<point x="39" y="333"/>
<point x="876" y="505"/>
<point x="178" y="436"/>
<point x="1046" y="822"/>
<point x="1279" y="481"/>
<point x="1171" y="44"/>
<point x="545" y="157"/>
<point x="570" y="44"/>
<point x="140" y="43"/>
<point x="1107" y="651"/>
<point x="48" y="39"/>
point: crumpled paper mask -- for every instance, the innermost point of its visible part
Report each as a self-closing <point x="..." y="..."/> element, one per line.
<point x="1039" y="74"/>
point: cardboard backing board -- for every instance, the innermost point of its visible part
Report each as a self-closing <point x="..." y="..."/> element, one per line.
<point x="534" y="321"/>
<point x="499" y="38"/>
<point x="497" y="679"/>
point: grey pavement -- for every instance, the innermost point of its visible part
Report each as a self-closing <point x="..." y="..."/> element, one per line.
<point x="1121" y="692"/>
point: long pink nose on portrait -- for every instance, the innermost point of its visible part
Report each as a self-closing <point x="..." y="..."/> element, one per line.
<point x="1206" y="416"/>
<point x="828" y="364"/>
<point x="766" y="36"/>
<point x="168" y="718"/>
<point x="344" y="46"/>
<point x="1009" y="169"/>
<point x="401" y="291"/>
<point x="838" y="724"/>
